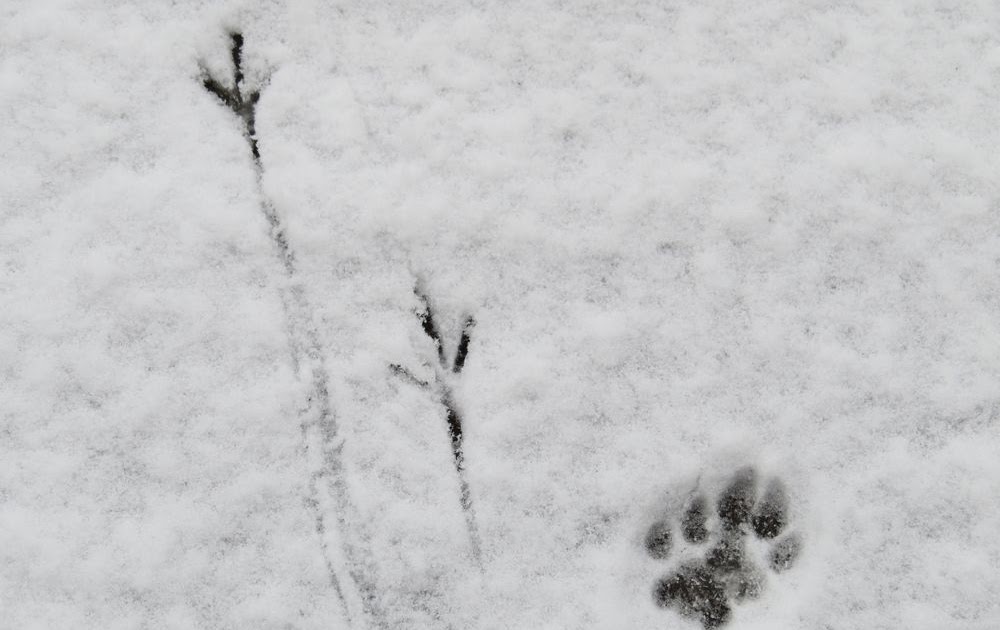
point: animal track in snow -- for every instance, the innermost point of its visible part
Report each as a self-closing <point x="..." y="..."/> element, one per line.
<point x="352" y="580"/>
<point x="244" y="105"/>
<point x="726" y="570"/>
<point x="445" y="372"/>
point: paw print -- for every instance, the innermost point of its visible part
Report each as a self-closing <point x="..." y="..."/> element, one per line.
<point x="727" y="547"/>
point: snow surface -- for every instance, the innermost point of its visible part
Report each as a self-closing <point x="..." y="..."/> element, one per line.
<point x="693" y="236"/>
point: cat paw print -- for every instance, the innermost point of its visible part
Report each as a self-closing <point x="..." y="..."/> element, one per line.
<point x="726" y="549"/>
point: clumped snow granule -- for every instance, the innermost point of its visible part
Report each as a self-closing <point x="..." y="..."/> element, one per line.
<point x="694" y="238"/>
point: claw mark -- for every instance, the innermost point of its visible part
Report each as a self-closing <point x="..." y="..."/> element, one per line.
<point x="443" y="375"/>
<point x="430" y="328"/>
<point x="463" y="345"/>
<point x="318" y="424"/>
<point x="220" y="92"/>
<point x="243" y="105"/>
<point x="402" y="372"/>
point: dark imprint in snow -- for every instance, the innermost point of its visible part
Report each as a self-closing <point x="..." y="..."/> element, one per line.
<point x="445" y="373"/>
<point x="705" y="590"/>
<point x="243" y="104"/>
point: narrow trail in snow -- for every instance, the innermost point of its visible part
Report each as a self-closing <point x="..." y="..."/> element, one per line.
<point x="350" y="571"/>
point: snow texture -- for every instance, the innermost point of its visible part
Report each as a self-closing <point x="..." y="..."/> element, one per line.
<point x="693" y="237"/>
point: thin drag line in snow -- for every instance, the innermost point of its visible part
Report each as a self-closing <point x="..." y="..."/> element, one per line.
<point x="321" y="441"/>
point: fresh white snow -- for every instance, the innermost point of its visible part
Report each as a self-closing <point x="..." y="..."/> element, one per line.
<point x="693" y="236"/>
